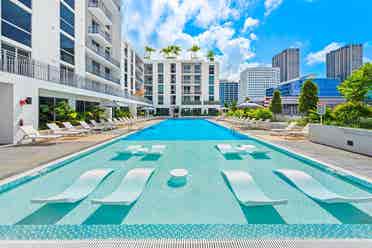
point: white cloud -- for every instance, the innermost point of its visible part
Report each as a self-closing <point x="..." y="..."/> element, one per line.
<point x="250" y="23"/>
<point x="253" y="36"/>
<point x="320" y="56"/>
<point x="271" y="5"/>
<point x="367" y="60"/>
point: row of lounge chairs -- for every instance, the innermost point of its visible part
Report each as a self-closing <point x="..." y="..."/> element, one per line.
<point x="241" y="183"/>
<point x="29" y="133"/>
<point x="248" y="193"/>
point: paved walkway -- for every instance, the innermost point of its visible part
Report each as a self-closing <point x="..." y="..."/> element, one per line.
<point x="17" y="159"/>
<point x="356" y="163"/>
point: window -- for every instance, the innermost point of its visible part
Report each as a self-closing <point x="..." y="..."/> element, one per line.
<point x="211" y="98"/>
<point x="160" y="89"/>
<point x="160" y="100"/>
<point x="67" y="49"/>
<point x="160" y="79"/>
<point x="173" y="89"/>
<point x="66" y="74"/>
<point x="198" y="68"/>
<point x="173" y="79"/>
<point x="28" y="3"/>
<point x="67" y="21"/>
<point x="160" y="68"/>
<point x="186" y="68"/>
<point x="211" y="69"/>
<point x="70" y="3"/>
<point x="173" y="68"/>
<point x="173" y="100"/>
<point x="148" y="68"/>
<point x="96" y="67"/>
<point x="16" y="23"/>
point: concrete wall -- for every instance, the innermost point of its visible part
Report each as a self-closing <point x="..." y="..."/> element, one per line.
<point x="351" y="139"/>
<point x="6" y="113"/>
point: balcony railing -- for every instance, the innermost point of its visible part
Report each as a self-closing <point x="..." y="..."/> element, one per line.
<point x="100" y="73"/>
<point x="98" y="30"/>
<point x="99" y="4"/>
<point x="191" y="102"/>
<point x="28" y="67"/>
<point x="103" y="54"/>
<point x="212" y="102"/>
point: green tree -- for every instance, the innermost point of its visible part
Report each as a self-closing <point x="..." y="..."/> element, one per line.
<point x="234" y="105"/>
<point x="357" y="85"/>
<point x="350" y="113"/>
<point x="194" y="50"/>
<point x="210" y="55"/>
<point x="276" y="103"/>
<point x="149" y="50"/>
<point x="308" y="98"/>
<point x="167" y="51"/>
<point x="175" y="50"/>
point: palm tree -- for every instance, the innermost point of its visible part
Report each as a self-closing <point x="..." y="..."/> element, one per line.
<point x="167" y="51"/>
<point x="175" y="50"/>
<point x="210" y="55"/>
<point x="194" y="49"/>
<point x="149" y="51"/>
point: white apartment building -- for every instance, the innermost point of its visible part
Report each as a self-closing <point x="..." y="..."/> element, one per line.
<point x="132" y="66"/>
<point x="58" y="50"/>
<point x="255" y="80"/>
<point x="178" y="86"/>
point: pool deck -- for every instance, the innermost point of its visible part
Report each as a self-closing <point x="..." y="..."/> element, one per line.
<point x="356" y="163"/>
<point x="21" y="158"/>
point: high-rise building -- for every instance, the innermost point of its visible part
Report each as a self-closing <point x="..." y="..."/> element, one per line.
<point x="343" y="61"/>
<point x="289" y="63"/>
<point x="132" y="70"/>
<point x="183" y="87"/>
<point x="229" y="92"/>
<point x="54" y="51"/>
<point x="255" y="80"/>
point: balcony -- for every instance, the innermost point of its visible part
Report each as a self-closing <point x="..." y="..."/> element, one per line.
<point x="191" y="102"/>
<point x="99" y="10"/>
<point x="212" y="102"/>
<point x="99" y="35"/>
<point x="100" y="73"/>
<point x="24" y="66"/>
<point x="99" y="53"/>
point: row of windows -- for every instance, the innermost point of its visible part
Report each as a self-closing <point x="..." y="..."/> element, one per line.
<point x="28" y="3"/>
<point x="67" y="47"/>
<point x="67" y="20"/>
<point x="16" y="23"/>
<point x="70" y="3"/>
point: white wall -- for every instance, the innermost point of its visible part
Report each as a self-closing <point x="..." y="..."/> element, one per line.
<point x="361" y="139"/>
<point x="6" y="113"/>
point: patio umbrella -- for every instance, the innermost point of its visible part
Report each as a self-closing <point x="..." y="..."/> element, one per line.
<point x="249" y="105"/>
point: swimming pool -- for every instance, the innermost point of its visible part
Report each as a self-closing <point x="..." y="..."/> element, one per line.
<point x="204" y="208"/>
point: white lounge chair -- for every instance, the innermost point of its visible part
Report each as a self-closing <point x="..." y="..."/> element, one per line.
<point x="59" y="131"/>
<point x="99" y="125"/>
<point x="86" y="126"/>
<point x="135" y="149"/>
<point x="33" y="134"/>
<point x="80" y="189"/>
<point x="315" y="190"/>
<point x="247" y="191"/>
<point x="156" y="150"/>
<point x="130" y="188"/>
<point x="70" y="127"/>
<point x="226" y="149"/>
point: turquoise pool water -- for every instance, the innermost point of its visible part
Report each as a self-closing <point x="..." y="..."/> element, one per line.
<point x="203" y="208"/>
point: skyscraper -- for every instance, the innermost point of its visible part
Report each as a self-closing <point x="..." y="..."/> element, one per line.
<point x="343" y="61"/>
<point x="255" y="80"/>
<point x="289" y="63"/>
<point x="229" y="92"/>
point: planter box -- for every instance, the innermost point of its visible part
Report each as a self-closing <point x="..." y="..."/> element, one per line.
<point x="351" y="139"/>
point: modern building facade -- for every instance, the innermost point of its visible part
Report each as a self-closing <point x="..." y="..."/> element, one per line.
<point x="342" y="62"/>
<point x="229" y="92"/>
<point x="182" y="87"/>
<point x="61" y="50"/>
<point x="132" y="66"/>
<point x="255" y="80"/>
<point x="289" y="63"/>
<point x="291" y="90"/>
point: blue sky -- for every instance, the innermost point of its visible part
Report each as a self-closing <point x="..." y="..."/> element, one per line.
<point x="249" y="32"/>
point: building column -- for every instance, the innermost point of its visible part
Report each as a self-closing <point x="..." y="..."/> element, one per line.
<point x="133" y="109"/>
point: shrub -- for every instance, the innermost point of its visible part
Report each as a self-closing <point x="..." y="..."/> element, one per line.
<point x="262" y="113"/>
<point x="308" y="99"/>
<point x="350" y="113"/>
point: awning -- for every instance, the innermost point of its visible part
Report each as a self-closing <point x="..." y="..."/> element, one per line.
<point x="113" y="104"/>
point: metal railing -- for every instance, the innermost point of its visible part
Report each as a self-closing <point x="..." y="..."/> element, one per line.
<point x="100" y="73"/>
<point x="25" y="66"/>
<point x="191" y="102"/>
<point x="102" y="53"/>
<point x="212" y="102"/>
<point x="99" y="4"/>
<point x="98" y="30"/>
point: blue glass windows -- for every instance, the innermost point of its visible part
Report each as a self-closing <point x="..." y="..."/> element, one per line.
<point x="67" y="49"/>
<point x="70" y="3"/>
<point x="67" y="21"/>
<point x="15" y="23"/>
<point x="28" y="3"/>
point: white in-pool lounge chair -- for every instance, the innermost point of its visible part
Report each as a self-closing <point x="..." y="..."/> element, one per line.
<point x="59" y="131"/>
<point x="130" y="188"/>
<point x="70" y="127"/>
<point x="247" y="191"/>
<point x="315" y="190"/>
<point x="156" y="150"/>
<point x="135" y="149"/>
<point x="226" y="149"/>
<point x="33" y="134"/>
<point x="80" y="189"/>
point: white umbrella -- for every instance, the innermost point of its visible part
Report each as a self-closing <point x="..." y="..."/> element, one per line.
<point x="249" y="105"/>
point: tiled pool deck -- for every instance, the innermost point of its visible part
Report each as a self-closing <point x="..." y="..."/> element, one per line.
<point x="356" y="163"/>
<point x="18" y="159"/>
